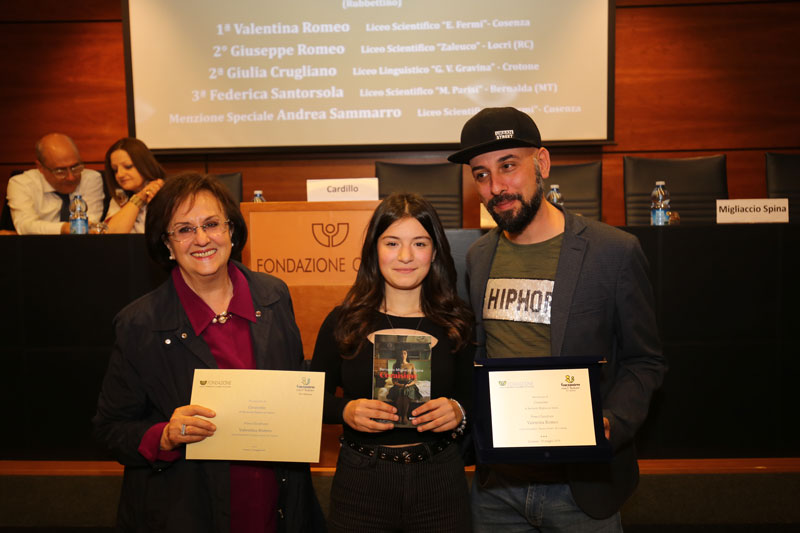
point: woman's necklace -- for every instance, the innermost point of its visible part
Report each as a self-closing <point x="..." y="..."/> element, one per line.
<point x="389" y="320"/>
<point x="224" y="316"/>
<point x="221" y="318"/>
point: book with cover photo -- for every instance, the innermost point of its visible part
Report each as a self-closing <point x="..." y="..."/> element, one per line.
<point x="401" y="373"/>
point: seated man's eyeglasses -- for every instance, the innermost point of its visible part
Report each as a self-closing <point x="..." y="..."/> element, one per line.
<point x="62" y="172"/>
<point x="184" y="232"/>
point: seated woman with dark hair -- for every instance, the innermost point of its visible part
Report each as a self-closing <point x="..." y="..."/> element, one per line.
<point x="211" y="312"/>
<point x="398" y="478"/>
<point x="132" y="178"/>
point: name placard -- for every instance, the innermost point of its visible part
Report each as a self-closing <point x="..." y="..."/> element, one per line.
<point x="342" y="190"/>
<point x="752" y="210"/>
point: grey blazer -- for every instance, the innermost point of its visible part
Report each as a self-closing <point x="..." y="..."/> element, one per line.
<point x="602" y="306"/>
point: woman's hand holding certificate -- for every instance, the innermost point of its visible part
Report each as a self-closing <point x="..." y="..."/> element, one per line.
<point x="184" y="427"/>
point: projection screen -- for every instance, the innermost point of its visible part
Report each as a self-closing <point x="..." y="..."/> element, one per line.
<point x="361" y="74"/>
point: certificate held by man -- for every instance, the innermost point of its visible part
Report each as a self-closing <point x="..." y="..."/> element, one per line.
<point x="539" y="409"/>
<point x="262" y="415"/>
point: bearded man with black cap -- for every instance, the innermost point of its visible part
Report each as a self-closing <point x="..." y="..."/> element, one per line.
<point x="597" y="301"/>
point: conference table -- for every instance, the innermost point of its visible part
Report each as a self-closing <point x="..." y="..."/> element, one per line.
<point x="726" y="297"/>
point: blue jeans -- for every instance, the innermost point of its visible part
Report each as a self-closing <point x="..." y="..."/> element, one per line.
<point x="509" y="505"/>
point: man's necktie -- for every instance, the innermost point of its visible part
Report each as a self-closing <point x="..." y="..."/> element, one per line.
<point x="64" y="215"/>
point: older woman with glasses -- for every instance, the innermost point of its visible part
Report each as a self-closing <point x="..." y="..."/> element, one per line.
<point x="212" y="312"/>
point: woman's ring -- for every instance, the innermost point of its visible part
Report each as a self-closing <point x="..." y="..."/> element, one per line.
<point x="183" y="429"/>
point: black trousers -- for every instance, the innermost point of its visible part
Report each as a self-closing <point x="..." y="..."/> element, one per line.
<point x="373" y="495"/>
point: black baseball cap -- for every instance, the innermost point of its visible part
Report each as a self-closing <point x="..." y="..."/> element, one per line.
<point x="496" y="128"/>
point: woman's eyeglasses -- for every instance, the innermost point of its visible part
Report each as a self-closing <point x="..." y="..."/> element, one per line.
<point x="185" y="232"/>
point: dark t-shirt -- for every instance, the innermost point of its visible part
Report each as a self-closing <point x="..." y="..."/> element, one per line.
<point x="451" y="376"/>
<point x="516" y="304"/>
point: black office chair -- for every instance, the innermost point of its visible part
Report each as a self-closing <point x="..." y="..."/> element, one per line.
<point x="582" y="187"/>
<point x="694" y="185"/>
<point x="107" y="194"/>
<point x="439" y="183"/>
<point x="233" y="182"/>
<point x="783" y="180"/>
<point x="6" y="221"/>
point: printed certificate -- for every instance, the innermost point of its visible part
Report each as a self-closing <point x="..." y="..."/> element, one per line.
<point x="262" y="415"/>
<point x="545" y="407"/>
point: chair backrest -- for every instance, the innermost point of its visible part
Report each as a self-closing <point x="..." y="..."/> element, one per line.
<point x="439" y="183"/>
<point x="6" y="221"/>
<point x="107" y="194"/>
<point x="783" y="180"/>
<point x="233" y="182"/>
<point x="581" y="186"/>
<point x="694" y="185"/>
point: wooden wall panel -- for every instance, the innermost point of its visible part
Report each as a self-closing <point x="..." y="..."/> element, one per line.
<point x="707" y="77"/>
<point x="50" y="10"/>
<point x="671" y="3"/>
<point x="67" y="77"/>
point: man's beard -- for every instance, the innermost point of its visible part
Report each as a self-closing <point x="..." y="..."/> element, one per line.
<point x="516" y="222"/>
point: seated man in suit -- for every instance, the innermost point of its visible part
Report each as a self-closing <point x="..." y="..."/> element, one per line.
<point x="596" y="300"/>
<point x="39" y="198"/>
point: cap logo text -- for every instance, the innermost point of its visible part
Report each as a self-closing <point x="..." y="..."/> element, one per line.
<point x="504" y="134"/>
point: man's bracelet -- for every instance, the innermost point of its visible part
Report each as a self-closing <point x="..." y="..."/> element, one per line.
<point x="459" y="430"/>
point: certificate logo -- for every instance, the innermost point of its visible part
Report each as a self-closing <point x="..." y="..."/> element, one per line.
<point x="305" y="385"/>
<point x="569" y="384"/>
<point x="502" y="383"/>
<point x="215" y="383"/>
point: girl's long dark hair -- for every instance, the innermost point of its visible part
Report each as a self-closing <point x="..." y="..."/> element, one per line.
<point x="439" y="299"/>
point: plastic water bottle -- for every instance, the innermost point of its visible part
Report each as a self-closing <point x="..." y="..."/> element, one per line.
<point x="554" y="196"/>
<point x="258" y="196"/>
<point x="78" y="216"/>
<point x="659" y="205"/>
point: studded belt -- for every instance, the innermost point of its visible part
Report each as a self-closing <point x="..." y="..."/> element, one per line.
<point x="407" y="455"/>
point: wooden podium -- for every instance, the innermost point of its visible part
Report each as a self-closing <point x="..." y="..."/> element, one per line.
<point x="315" y="247"/>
